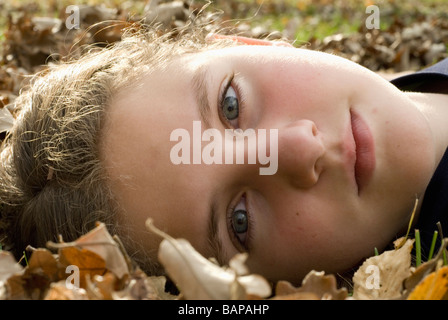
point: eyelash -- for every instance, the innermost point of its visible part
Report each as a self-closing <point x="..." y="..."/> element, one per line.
<point x="243" y="247"/>
<point x="239" y="93"/>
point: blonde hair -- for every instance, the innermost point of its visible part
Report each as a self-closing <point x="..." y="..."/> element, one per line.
<point x="52" y="180"/>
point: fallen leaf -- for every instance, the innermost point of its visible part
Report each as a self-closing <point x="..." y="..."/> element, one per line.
<point x="433" y="287"/>
<point x="382" y="276"/>
<point x="99" y="241"/>
<point x="89" y="263"/>
<point x="15" y="289"/>
<point x="199" y="278"/>
<point x="156" y="288"/>
<point x="142" y="287"/>
<point x="8" y="266"/>
<point x="324" y="286"/>
<point x="315" y="286"/>
<point x="6" y="120"/>
<point x="105" y="285"/>
<point x="284" y="290"/>
<point x="43" y="259"/>
<point x="11" y="284"/>
<point x="297" y="296"/>
<point x="59" y="291"/>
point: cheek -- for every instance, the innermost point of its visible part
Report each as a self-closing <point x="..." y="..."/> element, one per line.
<point x="404" y="148"/>
<point x="304" y="95"/>
<point x="316" y="233"/>
<point x="298" y="242"/>
<point x="308" y="224"/>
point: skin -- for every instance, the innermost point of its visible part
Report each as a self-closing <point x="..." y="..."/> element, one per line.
<point x="310" y="214"/>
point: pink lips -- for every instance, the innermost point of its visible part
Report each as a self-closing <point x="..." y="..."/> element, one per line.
<point x="365" y="155"/>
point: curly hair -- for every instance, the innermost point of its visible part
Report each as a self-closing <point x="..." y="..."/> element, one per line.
<point x="52" y="182"/>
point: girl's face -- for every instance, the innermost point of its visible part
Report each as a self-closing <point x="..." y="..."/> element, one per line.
<point x="353" y="153"/>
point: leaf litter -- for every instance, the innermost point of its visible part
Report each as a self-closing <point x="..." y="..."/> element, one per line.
<point x="106" y="272"/>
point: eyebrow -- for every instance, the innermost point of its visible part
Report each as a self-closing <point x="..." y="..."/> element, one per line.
<point x="201" y="92"/>
<point x="200" y="87"/>
<point x="214" y="241"/>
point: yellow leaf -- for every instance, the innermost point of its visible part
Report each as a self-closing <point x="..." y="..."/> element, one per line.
<point x="432" y="287"/>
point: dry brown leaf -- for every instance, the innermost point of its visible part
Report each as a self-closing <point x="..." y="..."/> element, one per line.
<point x="100" y="242"/>
<point x="105" y="285"/>
<point x="297" y="296"/>
<point x="60" y="291"/>
<point x="6" y="120"/>
<point x="382" y="276"/>
<point x="8" y="266"/>
<point x="43" y="259"/>
<point x="142" y="287"/>
<point x="15" y="289"/>
<point x="199" y="278"/>
<point x="10" y="277"/>
<point x="284" y="290"/>
<point x="315" y="286"/>
<point x="156" y="286"/>
<point x="24" y="283"/>
<point x="324" y="286"/>
<point x="88" y="262"/>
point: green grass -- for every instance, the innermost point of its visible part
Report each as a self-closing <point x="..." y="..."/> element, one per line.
<point x="321" y="18"/>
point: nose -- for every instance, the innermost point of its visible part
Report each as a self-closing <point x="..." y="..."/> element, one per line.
<point x="299" y="149"/>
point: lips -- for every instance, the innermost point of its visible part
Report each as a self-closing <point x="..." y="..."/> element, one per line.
<point x="365" y="155"/>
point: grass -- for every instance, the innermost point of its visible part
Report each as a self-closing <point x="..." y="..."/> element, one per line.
<point x="306" y="18"/>
<point x="418" y="249"/>
<point x="321" y="18"/>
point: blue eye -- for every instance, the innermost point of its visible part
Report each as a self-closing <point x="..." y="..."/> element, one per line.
<point x="239" y="224"/>
<point x="230" y="105"/>
<point x="240" y="221"/>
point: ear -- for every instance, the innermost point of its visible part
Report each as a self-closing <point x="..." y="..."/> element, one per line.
<point x="248" y="41"/>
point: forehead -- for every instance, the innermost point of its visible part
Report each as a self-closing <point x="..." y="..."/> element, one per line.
<point x="136" y="152"/>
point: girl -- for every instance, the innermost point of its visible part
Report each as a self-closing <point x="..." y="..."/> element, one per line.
<point x="95" y="141"/>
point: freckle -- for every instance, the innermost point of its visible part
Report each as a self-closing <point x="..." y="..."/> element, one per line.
<point x="297" y="213"/>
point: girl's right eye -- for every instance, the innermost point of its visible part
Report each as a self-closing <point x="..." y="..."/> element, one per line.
<point x="229" y="105"/>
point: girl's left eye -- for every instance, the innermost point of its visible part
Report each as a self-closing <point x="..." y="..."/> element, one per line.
<point x="239" y="224"/>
